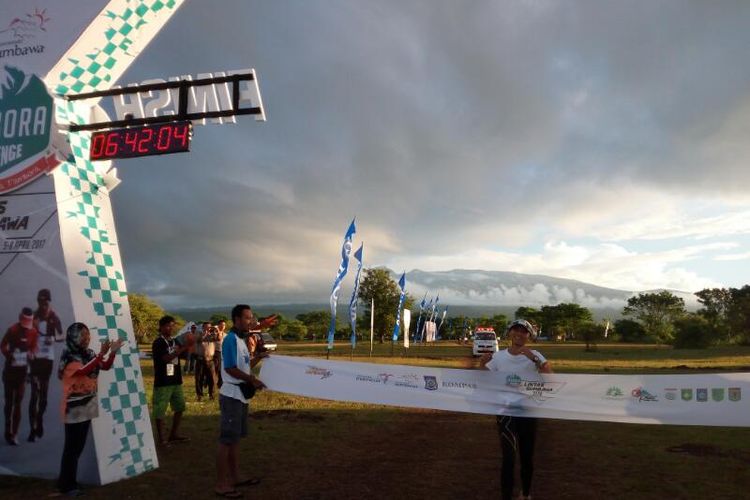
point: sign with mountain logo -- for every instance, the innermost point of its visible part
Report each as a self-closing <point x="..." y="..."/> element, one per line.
<point x="25" y="125"/>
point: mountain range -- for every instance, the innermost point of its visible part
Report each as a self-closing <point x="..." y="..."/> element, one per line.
<point x="476" y="292"/>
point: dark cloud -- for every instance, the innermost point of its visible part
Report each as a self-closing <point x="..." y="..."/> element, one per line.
<point x="439" y="124"/>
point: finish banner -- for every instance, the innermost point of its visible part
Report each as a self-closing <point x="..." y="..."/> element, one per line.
<point x="706" y="399"/>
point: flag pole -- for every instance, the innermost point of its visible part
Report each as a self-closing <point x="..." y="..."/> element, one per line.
<point x="372" y="324"/>
<point x="354" y="300"/>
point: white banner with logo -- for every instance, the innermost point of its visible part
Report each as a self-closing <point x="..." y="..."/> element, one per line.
<point x="706" y="399"/>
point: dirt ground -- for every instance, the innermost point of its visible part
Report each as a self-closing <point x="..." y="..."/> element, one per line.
<point x="394" y="453"/>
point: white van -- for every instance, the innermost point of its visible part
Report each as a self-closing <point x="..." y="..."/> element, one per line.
<point x="485" y="340"/>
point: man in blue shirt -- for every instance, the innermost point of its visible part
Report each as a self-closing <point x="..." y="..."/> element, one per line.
<point x="233" y="400"/>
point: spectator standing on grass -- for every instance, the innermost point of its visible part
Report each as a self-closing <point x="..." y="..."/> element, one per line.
<point x="221" y="331"/>
<point x="79" y="370"/>
<point x="204" y="364"/>
<point x="234" y="401"/>
<point x="517" y="434"/>
<point x="168" y="380"/>
<point x="191" y="356"/>
<point x="197" y="357"/>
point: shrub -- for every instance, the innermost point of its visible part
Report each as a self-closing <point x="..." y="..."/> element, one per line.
<point x="693" y="332"/>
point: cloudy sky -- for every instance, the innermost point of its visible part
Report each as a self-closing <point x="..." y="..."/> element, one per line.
<point x="599" y="141"/>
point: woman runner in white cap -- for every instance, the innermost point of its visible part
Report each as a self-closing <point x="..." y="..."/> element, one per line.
<point x="517" y="434"/>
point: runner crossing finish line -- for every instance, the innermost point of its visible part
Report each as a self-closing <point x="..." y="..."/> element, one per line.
<point x="706" y="399"/>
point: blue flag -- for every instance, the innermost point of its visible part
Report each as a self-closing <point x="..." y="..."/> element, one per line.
<point x="437" y="335"/>
<point x="355" y="292"/>
<point x="419" y="320"/>
<point x="397" y="327"/>
<point x="346" y="249"/>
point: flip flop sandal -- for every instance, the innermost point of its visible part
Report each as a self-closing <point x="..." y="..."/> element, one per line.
<point x="248" y="482"/>
<point x="229" y="494"/>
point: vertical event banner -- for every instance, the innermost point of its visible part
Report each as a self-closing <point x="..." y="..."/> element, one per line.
<point x="59" y="255"/>
<point x="407" y="323"/>
<point x="705" y="399"/>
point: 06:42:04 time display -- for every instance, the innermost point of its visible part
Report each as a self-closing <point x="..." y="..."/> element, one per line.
<point x="146" y="140"/>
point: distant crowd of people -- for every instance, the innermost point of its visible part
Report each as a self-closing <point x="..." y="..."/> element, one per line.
<point x="204" y="360"/>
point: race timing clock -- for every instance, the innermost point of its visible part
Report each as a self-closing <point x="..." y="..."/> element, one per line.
<point x="146" y="140"/>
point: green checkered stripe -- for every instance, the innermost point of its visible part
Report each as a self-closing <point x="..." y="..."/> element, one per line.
<point x="93" y="71"/>
<point x="124" y="400"/>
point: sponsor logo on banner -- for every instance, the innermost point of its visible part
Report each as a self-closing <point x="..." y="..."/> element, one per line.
<point x="538" y="390"/>
<point x="321" y="372"/>
<point x="701" y="395"/>
<point x="430" y="383"/>
<point x="670" y="394"/>
<point x="643" y="395"/>
<point x="25" y="123"/>
<point x="453" y="384"/>
<point x="410" y="380"/>
<point x="686" y="394"/>
<point x="18" y="34"/>
<point x="380" y="378"/>
<point x="614" y="392"/>
<point x="734" y="393"/>
<point x="717" y="394"/>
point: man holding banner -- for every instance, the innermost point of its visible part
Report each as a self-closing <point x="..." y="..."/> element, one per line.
<point x="517" y="434"/>
<point x="234" y="396"/>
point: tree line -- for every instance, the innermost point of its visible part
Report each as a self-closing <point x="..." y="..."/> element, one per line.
<point x="652" y="317"/>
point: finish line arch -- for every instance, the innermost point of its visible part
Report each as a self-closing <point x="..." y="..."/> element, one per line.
<point x="57" y="232"/>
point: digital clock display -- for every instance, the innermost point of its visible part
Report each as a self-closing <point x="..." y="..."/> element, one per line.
<point x="131" y="142"/>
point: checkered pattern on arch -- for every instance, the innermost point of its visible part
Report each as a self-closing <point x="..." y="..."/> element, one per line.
<point x="124" y="399"/>
<point x="93" y="71"/>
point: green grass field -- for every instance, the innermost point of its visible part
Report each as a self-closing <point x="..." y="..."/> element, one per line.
<point x="313" y="449"/>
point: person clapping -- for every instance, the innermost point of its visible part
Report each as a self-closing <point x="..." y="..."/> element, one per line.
<point x="79" y="370"/>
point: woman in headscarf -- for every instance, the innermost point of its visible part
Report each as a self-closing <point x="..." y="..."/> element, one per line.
<point x="79" y="369"/>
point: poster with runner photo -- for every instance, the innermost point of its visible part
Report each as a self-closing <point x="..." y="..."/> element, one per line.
<point x="33" y="316"/>
<point x="59" y="253"/>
